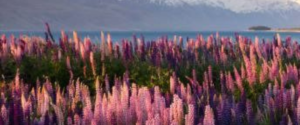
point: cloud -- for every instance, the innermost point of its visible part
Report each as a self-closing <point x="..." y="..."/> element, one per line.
<point x="239" y="6"/>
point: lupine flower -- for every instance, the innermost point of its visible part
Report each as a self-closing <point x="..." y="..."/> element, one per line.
<point x="4" y="115"/>
<point x="189" y="118"/>
<point x="238" y="80"/>
<point x="209" y="116"/>
<point x="298" y="109"/>
<point x="123" y="102"/>
<point x="173" y="83"/>
<point x="109" y="43"/>
<point x="249" y="112"/>
<point x="59" y="114"/>
<point x="92" y="63"/>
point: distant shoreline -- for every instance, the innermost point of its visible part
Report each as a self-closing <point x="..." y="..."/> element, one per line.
<point x="286" y="30"/>
<point x="269" y="29"/>
<point x="275" y="30"/>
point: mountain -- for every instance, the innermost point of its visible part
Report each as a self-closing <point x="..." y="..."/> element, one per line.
<point x="147" y="15"/>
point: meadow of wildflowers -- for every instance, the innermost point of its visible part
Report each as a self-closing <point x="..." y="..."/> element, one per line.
<point x="205" y="81"/>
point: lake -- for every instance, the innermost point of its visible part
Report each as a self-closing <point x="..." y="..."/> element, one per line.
<point x="151" y="35"/>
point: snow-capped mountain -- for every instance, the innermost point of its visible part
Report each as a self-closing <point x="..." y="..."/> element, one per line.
<point x="239" y="6"/>
<point x="191" y="15"/>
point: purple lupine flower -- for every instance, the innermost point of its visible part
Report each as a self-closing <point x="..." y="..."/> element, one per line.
<point x="219" y="114"/>
<point x="69" y="121"/>
<point x="249" y="112"/>
<point x="210" y="77"/>
<point x="227" y="112"/>
<point x="59" y="114"/>
<point x="117" y="52"/>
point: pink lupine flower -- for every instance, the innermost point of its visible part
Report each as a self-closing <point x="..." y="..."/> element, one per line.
<point x="173" y="83"/>
<point x="238" y="80"/>
<point x="189" y="118"/>
<point x="4" y="115"/>
<point x="82" y="51"/>
<point x="64" y="36"/>
<point x="176" y="109"/>
<point x="274" y="69"/>
<point x="264" y="72"/>
<point x="209" y="43"/>
<point x="76" y="41"/>
<point x="124" y="98"/>
<point x="183" y="92"/>
<point x="208" y="116"/>
<point x="59" y="55"/>
<point x="93" y="63"/>
<point x="243" y="72"/>
<point x="278" y="40"/>
<point x="87" y="44"/>
<point x="253" y="61"/>
<point x="87" y="109"/>
<point x="44" y="101"/>
<point x="78" y="91"/>
<point x="98" y="103"/>
<point x="77" y="120"/>
<point x="249" y="71"/>
<point x="257" y="48"/>
<point x="93" y="122"/>
<point x="229" y="82"/>
<point x="223" y="55"/>
<point x="293" y="94"/>
<point x="157" y="100"/>
<point x="102" y="47"/>
<point x="109" y="43"/>
<point x="241" y="44"/>
<point x="298" y="109"/>
<point x="17" y="80"/>
<point x="17" y="53"/>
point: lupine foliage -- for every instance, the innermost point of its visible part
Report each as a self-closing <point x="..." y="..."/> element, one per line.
<point x="210" y="81"/>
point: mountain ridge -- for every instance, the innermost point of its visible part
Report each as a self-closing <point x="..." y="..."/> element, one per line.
<point x="125" y="15"/>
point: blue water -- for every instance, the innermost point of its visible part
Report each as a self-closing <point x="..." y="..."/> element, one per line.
<point x="118" y="36"/>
